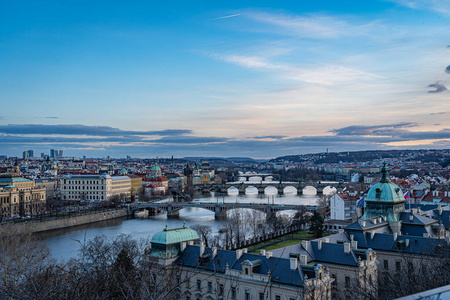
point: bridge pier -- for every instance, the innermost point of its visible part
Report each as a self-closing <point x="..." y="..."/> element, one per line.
<point x="172" y="213"/>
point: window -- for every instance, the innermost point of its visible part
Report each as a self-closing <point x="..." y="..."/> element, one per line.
<point x="220" y="289"/>
<point x="347" y="281"/>
<point x="233" y="292"/>
<point x="335" y="280"/>
<point x="386" y="264"/>
<point x="247" y="294"/>
<point x="397" y="266"/>
<point x="246" y="271"/>
<point x="277" y="297"/>
<point x="199" y="284"/>
<point x="178" y="279"/>
<point x="209" y="287"/>
<point x="261" y="296"/>
<point x="188" y="283"/>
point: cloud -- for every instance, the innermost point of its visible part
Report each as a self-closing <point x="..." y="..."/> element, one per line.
<point x="78" y="129"/>
<point x="440" y="6"/>
<point x="226" y="17"/>
<point x="439" y="113"/>
<point x="447" y="70"/>
<point x="439" y="87"/>
<point x="309" y="26"/>
<point x="52" y="117"/>
<point x="371" y="130"/>
<point x="275" y="137"/>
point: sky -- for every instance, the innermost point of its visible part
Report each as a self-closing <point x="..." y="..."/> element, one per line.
<point x="223" y="78"/>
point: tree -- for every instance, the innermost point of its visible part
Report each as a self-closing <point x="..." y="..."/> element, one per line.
<point x="316" y="226"/>
<point x="204" y="232"/>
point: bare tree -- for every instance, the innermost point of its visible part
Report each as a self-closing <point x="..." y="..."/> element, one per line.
<point x="204" y="232"/>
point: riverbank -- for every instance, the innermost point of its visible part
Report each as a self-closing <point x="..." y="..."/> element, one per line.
<point x="60" y="223"/>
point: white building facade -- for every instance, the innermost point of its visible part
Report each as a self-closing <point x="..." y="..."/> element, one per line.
<point x="94" y="187"/>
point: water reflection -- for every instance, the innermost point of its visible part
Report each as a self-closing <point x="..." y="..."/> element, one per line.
<point x="65" y="243"/>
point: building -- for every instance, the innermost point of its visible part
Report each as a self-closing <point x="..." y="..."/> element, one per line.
<point x="210" y="273"/>
<point x="94" y="187"/>
<point x="401" y="237"/>
<point x="343" y="205"/>
<point x="20" y="197"/>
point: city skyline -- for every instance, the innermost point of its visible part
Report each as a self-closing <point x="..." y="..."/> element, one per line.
<point x="231" y="79"/>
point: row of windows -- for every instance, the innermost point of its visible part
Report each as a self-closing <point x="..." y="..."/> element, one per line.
<point x="82" y="187"/>
<point x="81" y="181"/>
<point x="220" y="291"/>
<point x="397" y="265"/>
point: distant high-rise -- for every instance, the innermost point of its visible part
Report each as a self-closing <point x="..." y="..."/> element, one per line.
<point x="60" y="153"/>
<point x="42" y="155"/>
<point x="53" y="153"/>
<point x="30" y="153"/>
<point x="25" y="154"/>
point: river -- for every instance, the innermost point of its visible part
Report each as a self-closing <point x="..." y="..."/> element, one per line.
<point x="65" y="243"/>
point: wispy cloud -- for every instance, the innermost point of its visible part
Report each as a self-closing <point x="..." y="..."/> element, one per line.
<point x="440" y="6"/>
<point x="439" y="87"/>
<point x="226" y="17"/>
<point x="310" y="26"/>
<point x="77" y="129"/>
<point x="52" y="117"/>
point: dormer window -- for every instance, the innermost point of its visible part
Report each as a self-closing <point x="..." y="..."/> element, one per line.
<point x="378" y="193"/>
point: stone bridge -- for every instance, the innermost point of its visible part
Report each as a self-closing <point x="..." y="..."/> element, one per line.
<point x="219" y="209"/>
<point x="261" y="186"/>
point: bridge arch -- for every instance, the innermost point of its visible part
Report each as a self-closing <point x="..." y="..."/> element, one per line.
<point x="290" y="190"/>
<point x="309" y="190"/>
<point x="270" y="190"/>
<point x="233" y="191"/>
<point x="251" y="190"/>
<point x="329" y="190"/>
<point x="255" y="178"/>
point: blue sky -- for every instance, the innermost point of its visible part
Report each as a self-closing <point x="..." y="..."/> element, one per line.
<point x="232" y="78"/>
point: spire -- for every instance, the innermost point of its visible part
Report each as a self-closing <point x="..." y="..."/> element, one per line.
<point x="385" y="174"/>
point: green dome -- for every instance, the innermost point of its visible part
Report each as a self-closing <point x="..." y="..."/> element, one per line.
<point x="155" y="168"/>
<point x="174" y="236"/>
<point x="384" y="199"/>
<point x="385" y="190"/>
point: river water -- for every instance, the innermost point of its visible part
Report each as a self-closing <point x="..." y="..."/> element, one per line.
<point x="65" y="243"/>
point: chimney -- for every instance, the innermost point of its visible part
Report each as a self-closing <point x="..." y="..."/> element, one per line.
<point x="214" y="252"/>
<point x="372" y="234"/>
<point x="354" y="244"/>
<point x="385" y="218"/>
<point x="303" y="259"/>
<point x="411" y="217"/>
<point x="238" y="253"/>
<point x="395" y="236"/>
<point x="244" y="250"/>
<point x="319" y="244"/>
<point x="380" y="220"/>
<point x="341" y="230"/>
<point x="346" y="247"/>
<point x="263" y="252"/>
<point x="182" y="246"/>
<point x="363" y="223"/>
<point x="293" y="263"/>
<point x="269" y="254"/>
<point x="425" y="235"/>
<point x="407" y="242"/>
<point x="352" y="237"/>
<point x="305" y="245"/>
<point x="190" y="243"/>
<point x="202" y="248"/>
<point x="440" y="211"/>
<point x="326" y="240"/>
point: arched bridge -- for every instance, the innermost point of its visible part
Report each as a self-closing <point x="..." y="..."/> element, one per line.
<point x="261" y="186"/>
<point x="219" y="209"/>
<point x="262" y="176"/>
